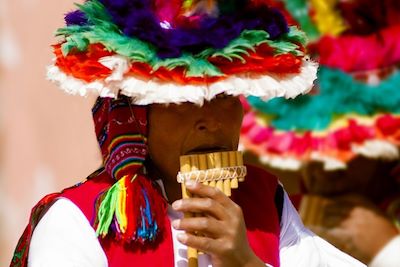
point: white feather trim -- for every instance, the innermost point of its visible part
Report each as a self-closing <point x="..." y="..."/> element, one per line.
<point x="146" y="92"/>
<point x="294" y="164"/>
<point x="330" y="163"/>
<point x="118" y="64"/>
<point x="283" y="163"/>
<point x="75" y="86"/>
<point x="377" y="149"/>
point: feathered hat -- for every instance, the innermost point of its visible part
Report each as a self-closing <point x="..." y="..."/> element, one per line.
<point x="138" y="52"/>
<point x="354" y="108"/>
<point x="180" y="51"/>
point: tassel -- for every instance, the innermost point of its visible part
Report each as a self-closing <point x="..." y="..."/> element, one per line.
<point x="113" y="205"/>
<point x="133" y="209"/>
<point x="149" y="227"/>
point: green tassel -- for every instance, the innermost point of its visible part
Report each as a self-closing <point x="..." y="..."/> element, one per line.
<point x="107" y="208"/>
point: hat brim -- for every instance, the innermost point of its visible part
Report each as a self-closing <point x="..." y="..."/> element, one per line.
<point x="145" y="92"/>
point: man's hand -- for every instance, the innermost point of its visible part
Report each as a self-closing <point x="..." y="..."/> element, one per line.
<point x="356" y="226"/>
<point x="220" y="229"/>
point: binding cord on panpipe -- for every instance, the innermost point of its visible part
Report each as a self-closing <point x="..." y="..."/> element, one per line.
<point x="223" y="170"/>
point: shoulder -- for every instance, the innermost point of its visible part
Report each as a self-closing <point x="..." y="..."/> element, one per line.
<point x="64" y="236"/>
<point x="62" y="212"/>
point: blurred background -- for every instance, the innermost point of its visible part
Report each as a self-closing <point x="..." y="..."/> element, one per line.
<point x="47" y="139"/>
<point x="48" y="143"/>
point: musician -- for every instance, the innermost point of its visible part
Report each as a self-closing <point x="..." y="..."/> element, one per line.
<point x="168" y="88"/>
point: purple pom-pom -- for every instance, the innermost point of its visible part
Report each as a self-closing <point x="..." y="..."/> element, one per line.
<point x="136" y="18"/>
<point x="76" y="17"/>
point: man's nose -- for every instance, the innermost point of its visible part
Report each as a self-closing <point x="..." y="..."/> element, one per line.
<point x="207" y="119"/>
<point x="208" y="124"/>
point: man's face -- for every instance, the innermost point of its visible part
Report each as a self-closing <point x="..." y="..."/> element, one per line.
<point x="176" y="130"/>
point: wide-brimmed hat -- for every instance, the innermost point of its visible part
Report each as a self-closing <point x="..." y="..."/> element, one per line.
<point x="180" y="51"/>
<point x="354" y="108"/>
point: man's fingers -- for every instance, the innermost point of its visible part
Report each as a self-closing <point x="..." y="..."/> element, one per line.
<point x="206" y="206"/>
<point x="200" y="225"/>
<point x="200" y="243"/>
<point x="214" y="193"/>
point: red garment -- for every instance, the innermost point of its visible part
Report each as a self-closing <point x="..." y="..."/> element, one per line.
<point x="255" y="196"/>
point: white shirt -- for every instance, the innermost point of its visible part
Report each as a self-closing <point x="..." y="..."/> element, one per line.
<point x="389" y="256"/>
<point x="64" y="237"/>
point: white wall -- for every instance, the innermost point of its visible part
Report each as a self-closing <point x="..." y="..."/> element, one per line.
<point x="47" y="139"/>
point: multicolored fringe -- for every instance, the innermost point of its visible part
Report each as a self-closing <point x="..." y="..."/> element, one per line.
<point x="133" y="208"/>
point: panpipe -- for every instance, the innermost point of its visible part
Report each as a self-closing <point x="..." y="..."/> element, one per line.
<point x="223" y="170"/>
